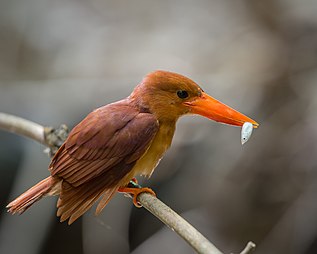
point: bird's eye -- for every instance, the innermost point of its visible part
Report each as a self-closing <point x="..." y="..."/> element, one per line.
<point x="182" y="94"/>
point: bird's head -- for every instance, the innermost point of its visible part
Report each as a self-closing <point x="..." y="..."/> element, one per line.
<point x="170" y="95"/>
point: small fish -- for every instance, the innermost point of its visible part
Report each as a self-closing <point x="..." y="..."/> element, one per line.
<point x="246" y="132"/>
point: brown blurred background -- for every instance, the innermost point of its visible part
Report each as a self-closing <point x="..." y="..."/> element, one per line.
<point x="61" y="59"/>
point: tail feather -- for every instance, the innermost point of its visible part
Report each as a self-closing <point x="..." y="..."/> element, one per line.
<point x="28" y="198"/>
<point x="75" y="201"/>
<point x="105" y="199"/>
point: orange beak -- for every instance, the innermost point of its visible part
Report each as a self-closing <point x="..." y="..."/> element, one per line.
<point x="209" y="107"/>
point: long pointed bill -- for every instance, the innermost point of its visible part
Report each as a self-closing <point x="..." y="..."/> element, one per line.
<point x="217" y="111"/>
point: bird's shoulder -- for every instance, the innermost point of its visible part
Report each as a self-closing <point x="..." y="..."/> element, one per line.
<point x="104" y="123"/>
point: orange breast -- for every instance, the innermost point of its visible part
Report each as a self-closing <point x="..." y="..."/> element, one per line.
<point x="148" y="162"/>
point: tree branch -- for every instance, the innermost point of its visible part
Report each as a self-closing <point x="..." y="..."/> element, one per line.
<point x="177" y="224"/>
<point x="53" y="138"/>
<point x="22" y="127"/>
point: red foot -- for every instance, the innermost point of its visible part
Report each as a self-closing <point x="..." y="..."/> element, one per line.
<point x="136" y="192"/>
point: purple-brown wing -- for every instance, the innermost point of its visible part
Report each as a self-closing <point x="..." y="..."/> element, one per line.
<point x="107" y="142"/>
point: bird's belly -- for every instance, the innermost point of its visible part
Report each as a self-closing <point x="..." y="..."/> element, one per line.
<point x="148" y="162"/>
<point x="146" y="165"/>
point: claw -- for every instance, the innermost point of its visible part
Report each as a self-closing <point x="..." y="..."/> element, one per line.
<point x="135" y="192"/>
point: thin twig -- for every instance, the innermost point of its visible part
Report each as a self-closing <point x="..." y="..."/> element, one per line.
<point x="249" y="248"/>
<point x="53" y="138"/>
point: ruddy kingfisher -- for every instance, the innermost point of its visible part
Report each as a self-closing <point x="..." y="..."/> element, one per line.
<point x="120" y="140"/>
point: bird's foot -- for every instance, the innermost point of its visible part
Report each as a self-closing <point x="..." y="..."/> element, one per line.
<point x="134" y="189"/>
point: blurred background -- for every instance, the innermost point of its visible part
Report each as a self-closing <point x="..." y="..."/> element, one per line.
<point x="61" y="59"/>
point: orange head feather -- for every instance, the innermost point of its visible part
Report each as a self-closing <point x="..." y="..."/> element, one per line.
<point x="170" y="95"/>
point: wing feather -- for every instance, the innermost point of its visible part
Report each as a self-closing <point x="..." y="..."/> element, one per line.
<point x="107" y="142"/>
<point x="99" y="152"/>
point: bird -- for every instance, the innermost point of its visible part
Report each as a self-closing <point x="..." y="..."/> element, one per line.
<point x="118" y="141"/>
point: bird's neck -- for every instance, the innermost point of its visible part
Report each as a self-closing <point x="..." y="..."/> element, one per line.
<point x="154" y="102"/>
